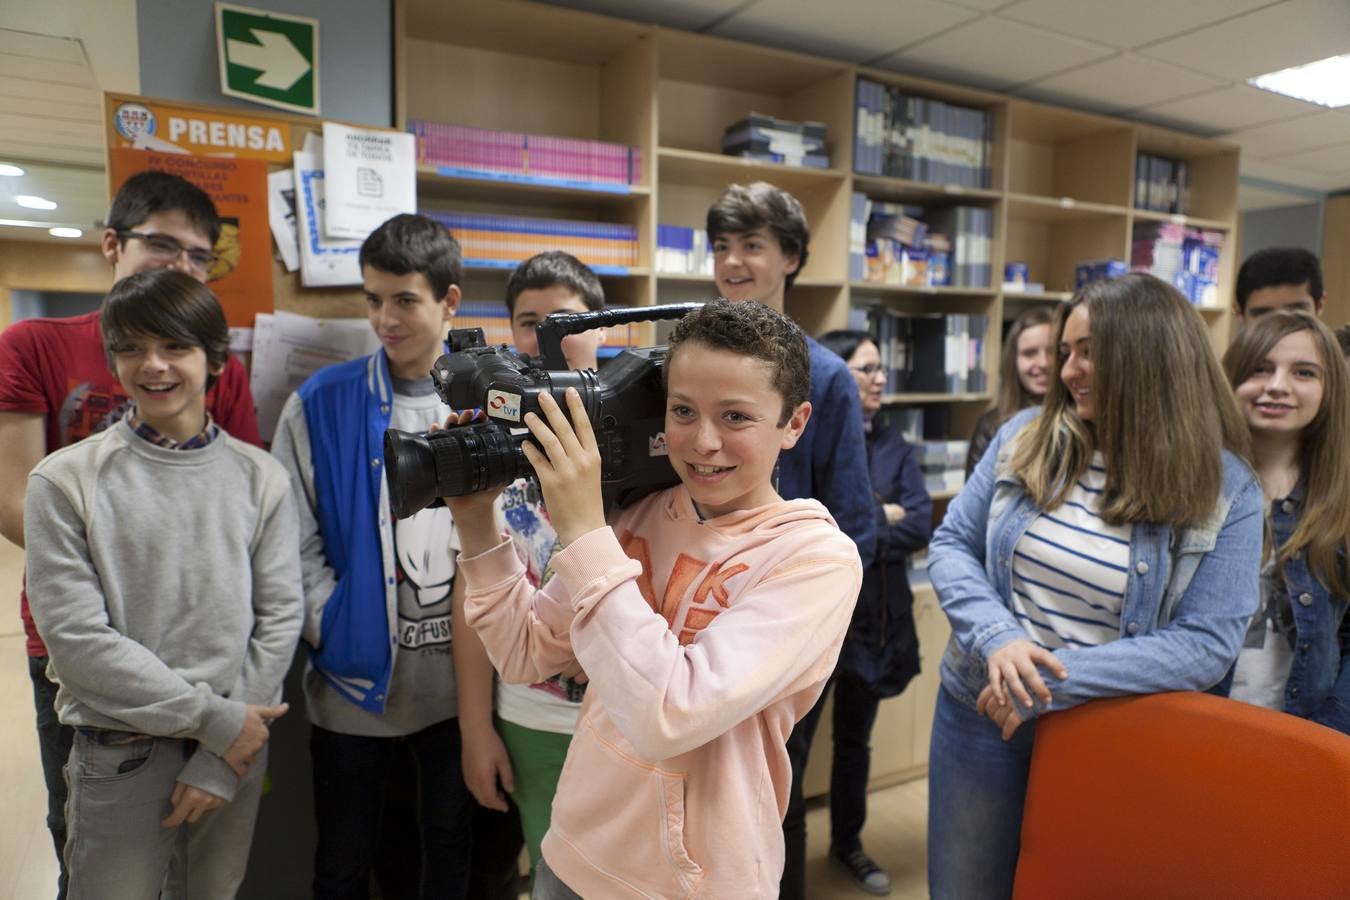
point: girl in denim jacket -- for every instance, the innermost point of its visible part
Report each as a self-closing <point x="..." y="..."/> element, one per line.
<point x="1108" y="544"/>
<point x="1292" y="387"/>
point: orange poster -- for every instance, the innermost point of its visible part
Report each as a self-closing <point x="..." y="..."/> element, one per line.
<point x="242" y="276"/>
<point x="141" y="123"/>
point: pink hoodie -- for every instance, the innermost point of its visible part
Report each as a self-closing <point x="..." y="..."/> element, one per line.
<point x="677" y="779"/>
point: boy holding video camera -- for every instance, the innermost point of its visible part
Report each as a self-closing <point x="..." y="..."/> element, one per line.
<point x="707" y="617"/>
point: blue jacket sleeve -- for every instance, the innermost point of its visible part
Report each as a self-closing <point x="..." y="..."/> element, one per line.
<point x="981" y="622"/>
<point x="1335" y="710"/>
<point x="839" y="464"/>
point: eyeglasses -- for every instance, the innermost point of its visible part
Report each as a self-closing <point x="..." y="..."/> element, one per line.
<point x="168" y="249"/>
<point x="870" y="370"/>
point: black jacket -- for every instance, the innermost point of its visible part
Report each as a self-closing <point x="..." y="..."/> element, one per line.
<point x="882" y="648"/>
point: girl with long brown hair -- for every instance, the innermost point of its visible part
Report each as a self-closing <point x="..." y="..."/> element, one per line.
<point x="1291" y="385"/>
<point x="1025" y="371"/>
<point x="1107" y="544"/>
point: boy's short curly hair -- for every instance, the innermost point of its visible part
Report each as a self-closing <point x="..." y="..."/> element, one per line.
<point x="752" y="329"/>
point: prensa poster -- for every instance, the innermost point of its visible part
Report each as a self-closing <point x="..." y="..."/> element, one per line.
<point x="370" y="176"/>
<point x="242" y="275"/>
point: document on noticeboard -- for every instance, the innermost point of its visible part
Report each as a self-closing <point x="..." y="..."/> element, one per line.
<point x="324" y="261"/>
<point x="288" y="348"/>
<point x="281" y="216"/>
<point x="371" y="177"/>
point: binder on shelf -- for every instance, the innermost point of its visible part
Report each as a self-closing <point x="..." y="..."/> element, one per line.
<point x="931" y="354"/>
<point x="900" y="135"/>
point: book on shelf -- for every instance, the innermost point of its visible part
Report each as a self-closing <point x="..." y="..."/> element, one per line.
<point x="1162" y="184"/>
<point x="468" y="151"/>
<point x="682" y="251"/>
<point x="901" y="135"/>
<point x="913" y="246"/>
<point x="1186" y="258"/>
<point x="492" y="241"/>
<point x="782" y="141"/>
<point x="1097" y="270"/>
<point x="931" y="354"/>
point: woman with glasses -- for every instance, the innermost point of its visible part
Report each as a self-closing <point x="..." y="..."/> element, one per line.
<point x="881" y="652"/>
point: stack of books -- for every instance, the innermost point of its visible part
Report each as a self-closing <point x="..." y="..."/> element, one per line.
<point x="910" y="246"/>
<point x="931" y="354"/>
<point x="769" y="139"/>
<point x="501" y="242"/>
<point x="901" y="135"/>
<point x="1097" y="270"/>
<point x="1162" y="184"/>
<point x="487" y="153"/>
<point x="1187" y="258"/>
<point x="683" y="251"/>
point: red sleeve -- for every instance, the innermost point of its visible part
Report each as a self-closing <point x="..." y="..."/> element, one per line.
<point x="232" y="404"/>
<point x="21" y="388"/>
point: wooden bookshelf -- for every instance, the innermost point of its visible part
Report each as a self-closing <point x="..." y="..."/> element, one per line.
<point x="1061" y="188"/>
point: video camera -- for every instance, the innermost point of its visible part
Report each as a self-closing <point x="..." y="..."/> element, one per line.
<point x="625" y="401"/>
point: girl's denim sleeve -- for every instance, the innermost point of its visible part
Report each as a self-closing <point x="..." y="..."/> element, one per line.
<point x="1335" y="710"/>
<point x="1194" y="650"/>
<point x="981" y="621"/>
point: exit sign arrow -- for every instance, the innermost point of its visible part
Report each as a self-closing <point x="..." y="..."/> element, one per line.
<point x="274" y="55"/>
<point x="268" y="57"/>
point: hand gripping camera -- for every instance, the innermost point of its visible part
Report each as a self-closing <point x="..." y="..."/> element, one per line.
<point x="625" y="401"/>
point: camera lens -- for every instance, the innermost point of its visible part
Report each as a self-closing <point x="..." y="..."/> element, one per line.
<point x="410" y="467"/>
<point x="421" y="468"/>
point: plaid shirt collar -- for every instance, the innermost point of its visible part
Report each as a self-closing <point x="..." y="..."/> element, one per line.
<point x="148" y="433"/>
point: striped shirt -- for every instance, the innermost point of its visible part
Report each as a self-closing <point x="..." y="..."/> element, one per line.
<point x="1070" y="570"/>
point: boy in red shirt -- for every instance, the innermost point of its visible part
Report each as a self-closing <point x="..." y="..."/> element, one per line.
<point x="56" y="388"/>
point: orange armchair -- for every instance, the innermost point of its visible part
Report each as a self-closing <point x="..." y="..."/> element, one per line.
<point x="1185" y="795"/>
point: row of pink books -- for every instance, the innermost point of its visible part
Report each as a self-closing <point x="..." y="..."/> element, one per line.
<point x="461" y="149"/>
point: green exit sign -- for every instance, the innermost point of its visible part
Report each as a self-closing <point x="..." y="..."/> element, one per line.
<point x="268" y="57"/>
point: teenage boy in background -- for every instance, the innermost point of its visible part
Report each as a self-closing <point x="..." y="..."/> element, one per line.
<point x="164" y="574"/>
<point x="535" y="721"/>
<point x="56" y="388"/>
<point x="378" y="591"/>
<point x="1279" y="278"/>
<point x="760" y="239"/>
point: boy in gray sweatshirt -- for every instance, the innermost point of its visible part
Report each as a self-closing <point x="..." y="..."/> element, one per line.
<point x="164" y="577"/>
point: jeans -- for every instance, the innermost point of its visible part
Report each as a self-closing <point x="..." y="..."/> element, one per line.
<point x="350" y="777"/>
<point x="117" y="848"/>
<point x="977" y="786"/>
<point x="855" y="712"/>
<point x="548" y="886"/>
<point x="792" y="886"/>
<point x="54" y="743"/>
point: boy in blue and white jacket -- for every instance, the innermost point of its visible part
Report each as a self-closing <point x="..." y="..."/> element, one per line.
<point x="378" y="591"/>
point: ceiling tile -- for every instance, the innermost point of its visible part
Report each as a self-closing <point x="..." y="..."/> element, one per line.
<point x="1332" y="160"/>
<point x="1276" y="37"/>
<point x="1120" y="83"/>
<point x="855" y="30"/>
<point x="1228" y="109"/>
<point x="1259" y="197"/>
<point x="981" y="5"/>
<point x="691" y="15"/>
<point x="40" y="46"/>
<point x="1124" y="25"/>
<point x="1292" y="135"/>
<point x="1278" y="174"/>
<point x="990" y="53"/>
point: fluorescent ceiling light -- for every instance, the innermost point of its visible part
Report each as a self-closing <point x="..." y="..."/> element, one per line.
<point x="28" y="201"/>
<point x="27" y="223"/>
<point x="11" y="171"/>
<point x="65" y="232"/>
<point x="1325" y="82"/>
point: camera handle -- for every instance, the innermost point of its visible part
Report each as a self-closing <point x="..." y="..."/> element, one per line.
<point x="554" y="328"/>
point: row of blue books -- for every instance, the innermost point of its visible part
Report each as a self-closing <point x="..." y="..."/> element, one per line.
<point x="901" y="135"/>
<point x="931" y="354"/>
<point x="683" y="251"/>
<point x="1162" y="184"/>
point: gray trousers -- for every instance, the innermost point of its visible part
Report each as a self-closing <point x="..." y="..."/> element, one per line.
<point x="548" y="886"/>
<point x="115" y="845"/>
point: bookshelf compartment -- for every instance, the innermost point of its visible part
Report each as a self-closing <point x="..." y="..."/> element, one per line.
<point x="1054" y="153"/>
<point x="1052" y="249"/>
<point x="1213" y="175"/>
